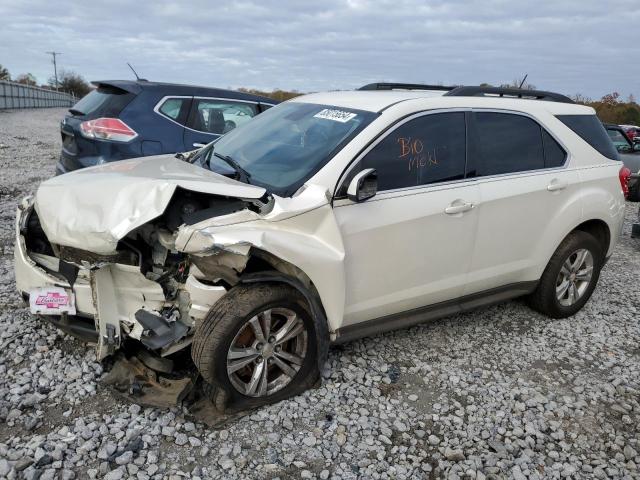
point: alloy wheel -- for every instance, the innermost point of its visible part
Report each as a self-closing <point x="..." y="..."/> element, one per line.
<point x="574" y="277"/>
<point x="267" y="352"/>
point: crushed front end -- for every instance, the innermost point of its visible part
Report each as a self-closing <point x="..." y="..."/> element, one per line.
<point x="144" y="291"/>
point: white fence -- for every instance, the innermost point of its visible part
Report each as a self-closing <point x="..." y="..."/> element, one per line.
<point x="16" y="95"/>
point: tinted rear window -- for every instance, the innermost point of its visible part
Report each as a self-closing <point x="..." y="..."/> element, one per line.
<point x="507" y="143"/>
<point x="591" y="130"/>
<point x="103" y="102"/>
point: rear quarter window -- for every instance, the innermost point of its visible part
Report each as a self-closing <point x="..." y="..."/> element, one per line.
<point x="591" y="130"/>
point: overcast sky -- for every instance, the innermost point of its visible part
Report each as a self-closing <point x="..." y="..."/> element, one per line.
<point x="572" y="46"/>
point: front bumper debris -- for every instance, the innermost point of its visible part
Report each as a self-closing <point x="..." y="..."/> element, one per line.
<point x="133" y="381"/>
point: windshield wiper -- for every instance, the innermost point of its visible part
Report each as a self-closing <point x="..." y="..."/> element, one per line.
<point x="242" y="173"/>
<point x="73" y="111"/>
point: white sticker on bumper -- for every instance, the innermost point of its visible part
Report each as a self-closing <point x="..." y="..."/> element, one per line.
<point x="52" y="301"/>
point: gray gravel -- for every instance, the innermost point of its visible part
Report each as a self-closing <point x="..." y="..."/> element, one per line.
<point x="498" y="393"/>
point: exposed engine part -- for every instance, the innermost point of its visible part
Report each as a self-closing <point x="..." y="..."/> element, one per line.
<point x="154" y="362"/>
<point x="188" y="207"/>
<point x="35" y="237"/>
<point x="160" y="330"/>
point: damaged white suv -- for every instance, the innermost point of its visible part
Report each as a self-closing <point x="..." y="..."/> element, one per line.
<point x="329" y="217"/>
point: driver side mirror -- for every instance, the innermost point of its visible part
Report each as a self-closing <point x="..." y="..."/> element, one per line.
<point x="363" y="186"/>
<point x="636" y="147"/>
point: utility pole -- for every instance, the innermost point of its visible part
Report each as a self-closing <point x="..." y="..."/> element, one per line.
<point x="55" y="67"/>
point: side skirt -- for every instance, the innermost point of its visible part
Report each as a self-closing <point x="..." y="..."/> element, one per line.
<point x="433" y="312"/>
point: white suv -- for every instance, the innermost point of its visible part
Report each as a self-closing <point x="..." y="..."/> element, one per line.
<point x="329" y="217"/>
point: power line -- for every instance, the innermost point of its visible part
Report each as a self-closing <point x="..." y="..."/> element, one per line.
<point x="55" y="67"/>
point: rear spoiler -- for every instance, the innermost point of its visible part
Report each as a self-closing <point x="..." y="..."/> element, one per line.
<point x="124" y="85"/>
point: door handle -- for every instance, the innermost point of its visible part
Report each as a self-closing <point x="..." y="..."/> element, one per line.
<point x="557" y="185"/>
<point x="458" y="207"/>
<point x="199" y="145"/>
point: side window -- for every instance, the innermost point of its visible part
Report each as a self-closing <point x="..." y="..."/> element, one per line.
<point x="506" y="143"/>
<point x="220" y="116"/>
<point x="171" y="107"/>
<point x="554" y="155"/>
<point x="591" y="130"/>
<point x="424" y="150"/>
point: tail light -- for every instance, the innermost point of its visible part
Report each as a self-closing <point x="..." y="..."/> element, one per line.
<point x="108" y="129"/>
<point x="624" y="176"/>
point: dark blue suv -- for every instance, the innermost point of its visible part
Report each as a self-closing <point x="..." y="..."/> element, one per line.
<point x="125" y="119"/>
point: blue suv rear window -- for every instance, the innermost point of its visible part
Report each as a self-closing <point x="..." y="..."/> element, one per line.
<point x="103" y="102"/>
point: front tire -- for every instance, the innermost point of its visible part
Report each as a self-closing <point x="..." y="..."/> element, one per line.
<point x="257" y="346"/>
<point x="570" y="276"/>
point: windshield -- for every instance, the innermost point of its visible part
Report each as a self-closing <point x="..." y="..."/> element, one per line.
<point x="283" y="147"/>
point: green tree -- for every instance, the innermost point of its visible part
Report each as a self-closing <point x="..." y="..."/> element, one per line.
<point x="515" y="83"/>
<point x="277" y="94"/>
<point x="611" y="109"/>
<point x="72" y="82"/>
<point x="4" y="73"/>
<point x="27" y="79"/>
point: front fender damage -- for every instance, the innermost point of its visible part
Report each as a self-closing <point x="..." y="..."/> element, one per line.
<point x="193" y="266"/>
<point x="300" y="236"/>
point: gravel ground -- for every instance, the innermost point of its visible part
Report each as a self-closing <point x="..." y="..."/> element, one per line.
<point x="498" y="393"/>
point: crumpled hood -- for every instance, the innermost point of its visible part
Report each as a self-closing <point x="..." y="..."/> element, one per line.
<point x="93" y="208"/>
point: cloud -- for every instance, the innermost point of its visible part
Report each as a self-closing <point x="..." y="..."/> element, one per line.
<point x="570" y="46"/>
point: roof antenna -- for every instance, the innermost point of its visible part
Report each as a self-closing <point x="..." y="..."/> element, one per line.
<point x="134" y="72"/>
<point x="521" y="83"/>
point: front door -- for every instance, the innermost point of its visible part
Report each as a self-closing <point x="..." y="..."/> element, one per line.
<point x="410" y="245"/>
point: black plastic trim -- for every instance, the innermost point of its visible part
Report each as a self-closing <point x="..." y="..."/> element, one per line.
<point x="508" y="92"/>
<point x="434" y="312"/>
<point x="82" y="329"/>
<point x="405" y="86"/>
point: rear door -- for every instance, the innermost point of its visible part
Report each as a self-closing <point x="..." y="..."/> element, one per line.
<point x="209" y="118"/>
<point x="169" y="132"/>
<point x="410" y="245"/>
<point x="526" y="191"/>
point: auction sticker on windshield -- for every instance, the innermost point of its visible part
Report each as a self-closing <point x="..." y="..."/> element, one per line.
<point x="335" y="115"/>
<point x="51" y="301"/>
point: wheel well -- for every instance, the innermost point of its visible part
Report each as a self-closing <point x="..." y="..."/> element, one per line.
<point x="599" y="230"/>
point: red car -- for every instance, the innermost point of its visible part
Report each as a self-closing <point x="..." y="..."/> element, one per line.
<point x="632" y="132"/>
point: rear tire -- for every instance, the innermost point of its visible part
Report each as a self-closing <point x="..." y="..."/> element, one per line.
<point x="235" y="331"/>
<point x="570" y="276"/>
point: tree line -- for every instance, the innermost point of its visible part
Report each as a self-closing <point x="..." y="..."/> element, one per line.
<point x="68" y="81"/>
<point x="611" y="108"/>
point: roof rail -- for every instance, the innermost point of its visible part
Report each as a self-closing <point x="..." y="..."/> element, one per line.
<point x="404" y="86"/>
<point x="508" y="93"/>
